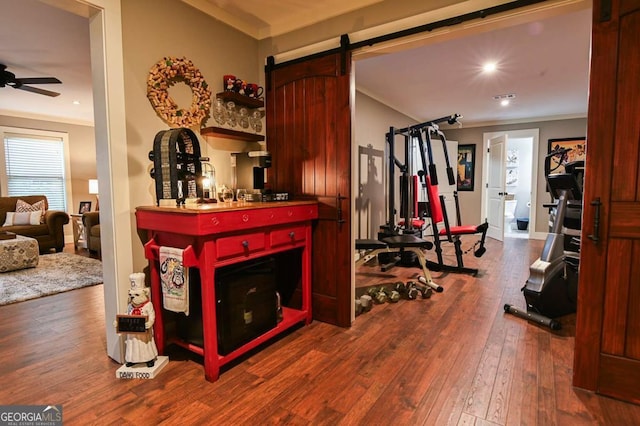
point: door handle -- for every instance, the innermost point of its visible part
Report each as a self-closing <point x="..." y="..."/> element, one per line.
<point x="339" y="218"/>
<point x="595" y="237"/>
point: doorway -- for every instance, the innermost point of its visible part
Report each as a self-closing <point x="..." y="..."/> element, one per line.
<point x="513" y="178"/>
<point x="111" y="141"/>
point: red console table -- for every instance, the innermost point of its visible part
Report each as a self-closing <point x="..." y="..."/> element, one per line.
<point x="215" y="235"/>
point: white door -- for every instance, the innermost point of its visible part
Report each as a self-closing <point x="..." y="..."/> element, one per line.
<point x="496" y="187"/>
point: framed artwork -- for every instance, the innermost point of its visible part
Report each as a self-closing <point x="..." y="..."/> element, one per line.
<point x="466" y="167"/>
<point x="85" y="206"/>
<point x="512" y="177"/>
<point x="578" y="151"/>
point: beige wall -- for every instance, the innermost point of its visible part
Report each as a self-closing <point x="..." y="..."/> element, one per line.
<point x="82" y="150"/>
<point x="152" y="30"/>
<point x="470" y="201"/>
<point x="372" y="122"/>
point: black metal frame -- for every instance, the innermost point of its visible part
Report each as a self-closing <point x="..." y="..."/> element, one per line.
<point x="453" y="236"/>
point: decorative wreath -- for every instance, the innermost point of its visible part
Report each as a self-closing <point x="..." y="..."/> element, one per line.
<point x="164" y="74"/>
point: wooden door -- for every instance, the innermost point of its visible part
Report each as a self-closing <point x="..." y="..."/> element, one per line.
<point x="607" y="354"/>
<point x="309" y="137"/>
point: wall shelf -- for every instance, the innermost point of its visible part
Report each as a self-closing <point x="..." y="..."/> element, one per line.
<point x="240" y="99"/>
<point x="222" y="132"/>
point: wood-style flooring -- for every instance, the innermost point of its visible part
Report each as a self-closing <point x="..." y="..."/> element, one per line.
<point x="455" y="358"/>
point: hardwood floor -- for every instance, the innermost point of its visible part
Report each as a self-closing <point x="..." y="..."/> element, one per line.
<point x="455" y="358"/>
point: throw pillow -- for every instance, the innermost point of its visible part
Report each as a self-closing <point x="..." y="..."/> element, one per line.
<point x="22" y="218"/>
<point x="22" y="206"/>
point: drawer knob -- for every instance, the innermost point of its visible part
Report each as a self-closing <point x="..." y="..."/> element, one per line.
<point x="245" y="243"/>
<point x="292" y="235"/>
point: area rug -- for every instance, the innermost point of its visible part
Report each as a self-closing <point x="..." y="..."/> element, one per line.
<point x="55" y="273"/>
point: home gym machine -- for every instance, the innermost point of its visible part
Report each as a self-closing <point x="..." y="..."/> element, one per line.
<point x="402" y="243"/>
<point x="411" y="222"/>
<point x="437" y="211"/>
<point x="552" y="288"/>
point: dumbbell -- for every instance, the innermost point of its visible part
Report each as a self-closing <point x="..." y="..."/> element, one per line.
<point x="412" y="291"/>
<point x="372" y="291"/>
<point x="401" y="289"/>
<point x="392" y="295"/>
<point x="366" y="303"/>
<point x="424" y="290"/>
<point x="377" y="294"/>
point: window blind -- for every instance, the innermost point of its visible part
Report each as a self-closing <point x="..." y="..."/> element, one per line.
<point x="35" y="166"/>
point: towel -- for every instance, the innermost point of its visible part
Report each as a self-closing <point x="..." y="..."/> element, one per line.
<point x="174" y="278"/>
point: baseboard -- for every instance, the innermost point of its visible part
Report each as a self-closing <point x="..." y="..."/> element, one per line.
<point x="538" y="236"/>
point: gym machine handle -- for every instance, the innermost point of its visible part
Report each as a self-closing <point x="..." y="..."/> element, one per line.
<point x="595" y="237"/>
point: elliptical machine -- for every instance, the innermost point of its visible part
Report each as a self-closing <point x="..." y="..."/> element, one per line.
<point x="552" y="288"/>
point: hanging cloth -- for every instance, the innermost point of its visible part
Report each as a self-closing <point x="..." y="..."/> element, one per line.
<point x="174" y="278"/>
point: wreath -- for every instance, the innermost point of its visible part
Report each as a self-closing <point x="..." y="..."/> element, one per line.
<point x="164" y="74"/>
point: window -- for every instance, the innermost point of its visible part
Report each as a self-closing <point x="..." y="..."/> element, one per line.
<point x="35" y="163"/>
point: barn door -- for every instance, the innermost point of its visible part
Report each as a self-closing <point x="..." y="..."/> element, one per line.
<point x="309" y="137"/>
<point x="607" y="355"/>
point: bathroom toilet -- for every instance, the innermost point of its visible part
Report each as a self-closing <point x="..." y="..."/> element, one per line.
<point x="510" y="210"/>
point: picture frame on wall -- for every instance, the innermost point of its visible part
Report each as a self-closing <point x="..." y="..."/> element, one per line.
<point x="578" y="151"/>
<point x="466" y="167"/>
<point x="85" y="207"/>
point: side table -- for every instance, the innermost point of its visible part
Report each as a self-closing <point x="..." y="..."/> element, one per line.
<point x="79" y="233"/>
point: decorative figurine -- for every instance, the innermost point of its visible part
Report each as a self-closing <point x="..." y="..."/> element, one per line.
<point x="140" y="347"/>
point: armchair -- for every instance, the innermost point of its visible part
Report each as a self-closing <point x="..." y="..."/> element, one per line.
<point x="91" y="222"/>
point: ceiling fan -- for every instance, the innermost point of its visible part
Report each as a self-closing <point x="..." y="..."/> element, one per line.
<point x="9" y="79"/>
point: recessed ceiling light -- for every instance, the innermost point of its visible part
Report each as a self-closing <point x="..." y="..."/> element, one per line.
<point x="76" y="102"/>
<point x="504" y="99"/>
<point x="507" y="96"/>
<point x="489" y="67"/>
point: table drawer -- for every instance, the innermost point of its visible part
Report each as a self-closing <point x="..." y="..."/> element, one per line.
<point x="281" y="237"/>
<point x="239" y="245"/>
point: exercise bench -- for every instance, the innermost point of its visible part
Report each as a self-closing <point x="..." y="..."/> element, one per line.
<point x="398" y="244"/>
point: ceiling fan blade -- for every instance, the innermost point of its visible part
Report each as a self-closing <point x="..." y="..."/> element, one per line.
<point x="39" y="91"/>
<point x="38" y="80"/>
